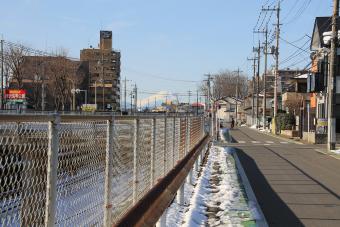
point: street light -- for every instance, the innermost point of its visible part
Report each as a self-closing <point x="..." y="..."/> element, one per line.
<point x="77" y="91"/>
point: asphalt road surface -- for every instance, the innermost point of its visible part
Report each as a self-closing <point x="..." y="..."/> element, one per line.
<point x="294" y="184"/>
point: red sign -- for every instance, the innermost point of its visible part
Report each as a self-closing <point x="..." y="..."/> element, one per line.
<point x="15" y="94"/>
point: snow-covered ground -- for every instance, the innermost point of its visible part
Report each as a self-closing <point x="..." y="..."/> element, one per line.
<point x="260" y="128"/>
<point x="218" y="198"/>
<point x="335" y="151"/>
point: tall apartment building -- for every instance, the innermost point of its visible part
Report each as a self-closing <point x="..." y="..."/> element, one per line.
<point x="104" y="73"/>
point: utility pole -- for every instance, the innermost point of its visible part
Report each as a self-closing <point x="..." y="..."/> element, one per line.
<point x="125" y="94"/>
<point x="331" y="81"/>
<point x="73" y="98"/>
<point x="265" y="78"/>
<point x="189" y="95"/>
<point x="258" y="85"/>
<point x="258" y="50"/>
<point x="125" y="80"/>
<point x="131" y="94"/>
<point x="209" y="92"/>
<point x="265" y="51"/>
<point x="210" y="109"/>
<point x="277" y="9"/>
<point x="236" y="93"/>
<point x="2" y="74"/>
<point x="196" y="102"/>
<point x="253" y="95"/>
<point x="277" y="60"/>
<point x="135" y="96"/>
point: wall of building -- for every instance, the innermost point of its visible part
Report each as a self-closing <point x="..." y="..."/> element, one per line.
<point x="104" y="73"/>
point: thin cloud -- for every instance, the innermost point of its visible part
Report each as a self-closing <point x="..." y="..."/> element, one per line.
<point x="151" y="99"/>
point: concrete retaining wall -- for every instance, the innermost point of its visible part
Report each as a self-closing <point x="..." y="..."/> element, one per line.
<point x="311" y="137"/>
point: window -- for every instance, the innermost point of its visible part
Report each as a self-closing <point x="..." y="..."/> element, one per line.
<point x="337" y="84"/>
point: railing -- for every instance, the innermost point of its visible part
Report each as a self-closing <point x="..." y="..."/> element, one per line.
<point x="69" y="170"/>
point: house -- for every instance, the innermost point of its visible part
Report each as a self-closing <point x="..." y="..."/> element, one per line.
<point x="296" y="101"/>
<point x="317" y="83"/>
<point x="226" y="109"/>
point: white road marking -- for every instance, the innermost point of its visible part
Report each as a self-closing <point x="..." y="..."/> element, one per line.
<point x="241" y="141"/>
<point x="269" y="142"/>
<point x="266" y="144"/>
<point x="284" y="142"/>
<point x="255" y="141"/>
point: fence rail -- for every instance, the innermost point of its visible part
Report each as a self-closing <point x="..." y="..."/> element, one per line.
<point x="69" y="170"/>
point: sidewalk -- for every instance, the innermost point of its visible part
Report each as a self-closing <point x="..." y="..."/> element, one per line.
<point x="295" y="184"/>
<point x="322" y="148"/>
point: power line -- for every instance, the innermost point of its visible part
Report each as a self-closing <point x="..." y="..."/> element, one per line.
<point x="301" y="10"/>
<point x="36" y="51"/>
<point x="161" y="77"/>
<point x="295" y="53"/>
<point x="292" y="44"/>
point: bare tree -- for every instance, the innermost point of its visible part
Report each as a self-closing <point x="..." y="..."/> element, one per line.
<point x="294" y="105"/>
<point x="61" y="80"/>
<point x="225" y="83"/>
<point x="14" y="59"/>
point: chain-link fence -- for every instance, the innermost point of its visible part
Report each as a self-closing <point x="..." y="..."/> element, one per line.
<point x="85" y="171"/>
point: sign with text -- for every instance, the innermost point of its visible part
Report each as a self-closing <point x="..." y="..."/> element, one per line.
<point x="17" y="95"/>
<point x="89" y="107"/>
<point x="322" y="122"/>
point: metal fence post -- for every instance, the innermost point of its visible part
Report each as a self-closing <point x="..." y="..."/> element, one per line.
<point x="180" y="195"/>
<point x="187" y="141"/>
<point x="153" y="152"/>
<point x="135" y="159"/>
<point x="179" y="139"/>
<point x="165" y="146"/>
<point x="203" y="126"/>
<point x="174" y="142"/>
<point x="197" y="163"/>
<point x="52" y="169"/>
<point x="108" y="173"/>
<point x="212" y="124"/>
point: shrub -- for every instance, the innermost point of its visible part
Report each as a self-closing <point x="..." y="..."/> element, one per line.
<point x="286" y="121"/>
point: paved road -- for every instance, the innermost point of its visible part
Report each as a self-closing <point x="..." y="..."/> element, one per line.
<point x="295" y="185"/>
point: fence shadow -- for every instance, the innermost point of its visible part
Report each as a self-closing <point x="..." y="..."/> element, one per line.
<point x="276" y="212"/>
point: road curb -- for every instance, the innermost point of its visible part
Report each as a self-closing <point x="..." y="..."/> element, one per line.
<point x="261" y="222"/>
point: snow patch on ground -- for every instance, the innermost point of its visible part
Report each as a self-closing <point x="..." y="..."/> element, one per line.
<point x="267" y="130"/>
<point x="218" y="198"/>
<point x="225" y="136"/>
<point x="264" y="130"/>
<point x="253" y="126"/>
<point x="176" y="212"/>
<point x="335" y="151"/>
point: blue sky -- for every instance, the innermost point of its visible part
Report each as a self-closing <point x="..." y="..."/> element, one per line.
<point x="177" y="39"/>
